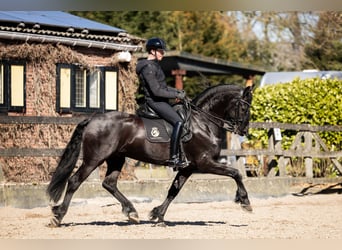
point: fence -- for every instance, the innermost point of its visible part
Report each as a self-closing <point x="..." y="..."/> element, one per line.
<point x="46" y="138"/>
<point x="307" y="145"/>
<point x="30" y="146"/>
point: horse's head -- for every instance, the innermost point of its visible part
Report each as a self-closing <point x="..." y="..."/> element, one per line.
<point x="238" y="113"/>
<point x="228" y="104"/>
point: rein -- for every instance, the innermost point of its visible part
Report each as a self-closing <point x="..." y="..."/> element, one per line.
<point x="229" y="125"/>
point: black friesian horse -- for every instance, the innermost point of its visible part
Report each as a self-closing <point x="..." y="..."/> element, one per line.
<point x="112" y="136"/>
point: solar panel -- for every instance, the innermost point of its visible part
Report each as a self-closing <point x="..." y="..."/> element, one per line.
<point x="57" y="19"/>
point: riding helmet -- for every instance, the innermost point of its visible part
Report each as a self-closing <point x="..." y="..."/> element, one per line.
<point x="155" y="43"/>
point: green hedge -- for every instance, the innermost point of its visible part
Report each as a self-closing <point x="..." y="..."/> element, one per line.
<point x="312" y="101"/>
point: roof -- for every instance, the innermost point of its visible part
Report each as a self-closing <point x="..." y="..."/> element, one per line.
<point x="56" y="19"/>
<point x="195" y="64"/>
<point x="289" y="76"/>
<point x="64" y="28"/>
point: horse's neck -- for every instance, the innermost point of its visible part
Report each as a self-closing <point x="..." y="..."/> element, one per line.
<point x="218" y="106"/>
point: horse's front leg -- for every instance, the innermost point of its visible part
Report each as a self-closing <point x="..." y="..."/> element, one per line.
<point x="241" y="197"/>
<point x="241" y="192"/>
<point x="158" y="212"/>
<point x="110" y="184"/>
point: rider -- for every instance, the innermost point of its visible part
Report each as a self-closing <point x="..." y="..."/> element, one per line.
<point x="157" y="94"/>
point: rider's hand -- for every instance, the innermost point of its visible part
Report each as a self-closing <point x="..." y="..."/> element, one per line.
<point x="181" y="94"/>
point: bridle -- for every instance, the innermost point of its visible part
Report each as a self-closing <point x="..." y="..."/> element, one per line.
<point x="240" y="118"/>
<point x="231" y="125"/>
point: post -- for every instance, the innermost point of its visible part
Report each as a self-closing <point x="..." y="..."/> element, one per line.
<point x="240" y="160"/>
<point x="271" y="160"/>
<point x="307" y="150"/>
<point x="178" y="73"/>
<point x="2" y="177"/>
<point x="249" y="80"/>
<point x="277" y="146"/>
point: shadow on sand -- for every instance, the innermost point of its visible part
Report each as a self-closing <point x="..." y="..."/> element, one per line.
<point x="145" y="222"/>
<point x="314" y="189"/>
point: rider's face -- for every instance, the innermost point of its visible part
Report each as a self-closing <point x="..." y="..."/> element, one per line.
<point x="159" y="54"/>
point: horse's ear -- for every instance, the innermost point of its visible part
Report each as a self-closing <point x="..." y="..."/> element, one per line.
<point x="247" y="92"/>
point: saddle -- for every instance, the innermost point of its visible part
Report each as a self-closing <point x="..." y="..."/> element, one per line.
<point x="159" y="130"/>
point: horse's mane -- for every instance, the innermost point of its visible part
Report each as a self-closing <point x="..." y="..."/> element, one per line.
<point x="216" y="90"/>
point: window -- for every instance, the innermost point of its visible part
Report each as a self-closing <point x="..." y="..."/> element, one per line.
<point x="12" y="86"/>
<point x="81" y="90"/>
<point x="2" y="98"/>
<point x="94" y="89"/>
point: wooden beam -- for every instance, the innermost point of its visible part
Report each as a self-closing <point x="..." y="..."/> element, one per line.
<point x="178" y="73"/>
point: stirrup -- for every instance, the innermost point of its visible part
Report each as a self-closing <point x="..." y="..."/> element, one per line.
<point x="176" y="163"/>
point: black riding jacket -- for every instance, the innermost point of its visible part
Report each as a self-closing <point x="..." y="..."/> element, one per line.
<point x="153" y="82"/>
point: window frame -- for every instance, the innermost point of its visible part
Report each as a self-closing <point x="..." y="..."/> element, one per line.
<point x="102" y="88"/>
<point x="8" y="86"/>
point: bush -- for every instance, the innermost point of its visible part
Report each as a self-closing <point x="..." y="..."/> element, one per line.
<point x="312" y="101"/>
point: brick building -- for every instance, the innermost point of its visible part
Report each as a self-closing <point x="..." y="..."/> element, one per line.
<point x="56" y="68"/>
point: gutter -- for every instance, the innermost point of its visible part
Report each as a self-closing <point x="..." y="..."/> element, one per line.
<point x="69" y="41"/>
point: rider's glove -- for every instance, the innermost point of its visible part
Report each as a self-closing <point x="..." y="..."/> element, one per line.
<point x="180" y="94"/>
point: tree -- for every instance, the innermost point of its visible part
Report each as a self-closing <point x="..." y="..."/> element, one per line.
<point x="324" y="51"/>
<point x="277" y="39"/>
<point x="138" y="23"/>
<point x="208" y="33"/>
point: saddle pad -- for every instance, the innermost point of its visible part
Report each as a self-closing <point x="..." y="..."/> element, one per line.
<point x="156" y="130"/>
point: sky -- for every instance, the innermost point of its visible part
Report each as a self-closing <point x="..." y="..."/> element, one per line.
<point x="261" y="5"/>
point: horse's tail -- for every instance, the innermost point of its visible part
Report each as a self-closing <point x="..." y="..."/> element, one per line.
<point x="67" y="163"/>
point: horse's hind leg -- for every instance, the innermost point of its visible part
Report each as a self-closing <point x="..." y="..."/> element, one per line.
<point x="114" y="166"/>
<point x="158" y="213"/>
<point x="59" y="210"/>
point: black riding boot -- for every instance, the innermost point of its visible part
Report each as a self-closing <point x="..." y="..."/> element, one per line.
<point x="175" y="160"/>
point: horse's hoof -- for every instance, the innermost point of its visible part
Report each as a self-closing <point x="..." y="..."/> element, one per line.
<point x="134" y="217"/>
<point x="247" y="208"/>
<point x="159" y="224"/>
<point x="153" y="216"/>
<point x="54" y="222"/>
